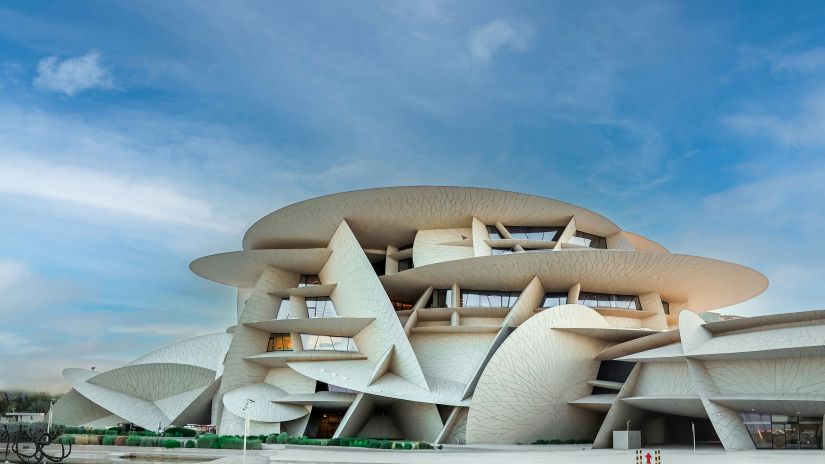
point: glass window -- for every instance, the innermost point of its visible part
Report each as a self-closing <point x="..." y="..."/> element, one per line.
<point x="380" y="267"/>
<point x="493" y="232"/>
<point x="780" y="431"/>
<point x="309" y="280"/>
<point x="553" y="299"/>
<point x="606" y="300"/>
<point x="327" y="343"/>
<point x="279" y="342"/>
<point x="487" y="299"/>
<point x="283" y="309"/>
<point x="534" y="233"/>
<point x="320" y="306"/>
<point x="441" y="298"/>
<point x="588" y="240"/>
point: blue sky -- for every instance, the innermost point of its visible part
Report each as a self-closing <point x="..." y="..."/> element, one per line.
<point x="138" y="136"/>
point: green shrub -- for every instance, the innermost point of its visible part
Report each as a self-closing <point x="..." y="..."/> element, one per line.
<point x="208" y="440"/>
<point x="584" y="441"/>
<point x="555" y="441"/>
<point x="65" y="440"/>
<point x="228" y="442"/>
<point x="74" y="430"/>
<point x="424" y="445"/>
<point x="180" y="432"/>
<point x="407" y="445"/>
<point x="133" y="440"/>
<point x="282" y="438"/>
<point x="271" y="439"/>
<point x="149" y="442"/>
<point x="108" y="440"/>
<point x="120" y="440"/>
<point x="170" y="443"/>
<point x="334" y="442"/>
<point x="386" y="444"/>
<point x="191" y="444"/>
<point x="112" y="431"/>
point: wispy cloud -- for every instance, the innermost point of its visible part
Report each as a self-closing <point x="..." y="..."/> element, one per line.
<point x="11" y="272"/>
<point x="73" y="75"/>
<point x="142" y="198"/>
<point x="803" y="127"/>
<point x="485" y="41"/>
<point x="805" y="61"/>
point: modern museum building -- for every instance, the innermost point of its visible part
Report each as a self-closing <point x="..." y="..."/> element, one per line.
<point x="468" y="315"/>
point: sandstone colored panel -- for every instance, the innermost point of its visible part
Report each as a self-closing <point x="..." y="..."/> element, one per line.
<point x="524" y="391"/>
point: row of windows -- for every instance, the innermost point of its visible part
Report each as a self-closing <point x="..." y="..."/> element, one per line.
<point x="506" y="251"/>
<point x="606" y="300"/>
<point x="442" y="298"/>
<point x="553" y="299"/>
<point x="488" y="299"/>
<point x="776" y="431"/>
<point x="548" y="233"/>
<point x="283" y="342"/>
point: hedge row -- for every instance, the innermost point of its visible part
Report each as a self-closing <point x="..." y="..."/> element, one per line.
<point x="284" y="438"/>
<point x="227" y="442"/>
<point x="119" y="440"/>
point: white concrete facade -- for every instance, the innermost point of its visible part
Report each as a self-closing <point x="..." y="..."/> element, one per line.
<point x="464" y="315"/>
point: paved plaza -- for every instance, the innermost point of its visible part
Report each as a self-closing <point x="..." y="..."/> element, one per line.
<point x="498" y="454"/>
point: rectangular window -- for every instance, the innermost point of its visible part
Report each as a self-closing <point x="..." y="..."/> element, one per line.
<point x="309" y="281"/>
<point x="488" y="299"/>
<point x="441" y="298"/>
<point x="607" y="300"/>
<point x="320" y="306"/>
<point x="279" y="342"/>
<point x="493" y="232"/>
<point x="553" y="299"/>
<point x="588" y="240"/>
<point x="327" y="343"/>
<point x="534" y="232"/>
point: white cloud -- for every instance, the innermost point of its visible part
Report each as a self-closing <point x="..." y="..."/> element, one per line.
<point x="485" y="41"/>
<point x="142" y="198"/>
<point x="805" y="128"/>
<point x="807" y="61"/>
<point x="73" y="75"/>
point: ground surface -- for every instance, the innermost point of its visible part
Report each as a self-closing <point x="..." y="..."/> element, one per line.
<point x="489" y="454"/>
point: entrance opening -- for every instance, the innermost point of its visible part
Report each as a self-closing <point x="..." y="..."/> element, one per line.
<point x="667" y="429"/>
<point x="323" y="422"/>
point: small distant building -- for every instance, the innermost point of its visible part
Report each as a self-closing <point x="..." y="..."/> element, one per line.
<point x="11" y="417"/>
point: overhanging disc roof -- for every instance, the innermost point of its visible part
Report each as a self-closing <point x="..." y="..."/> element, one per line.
<point x="393" y="215"/>
<point x="702" y="283"/>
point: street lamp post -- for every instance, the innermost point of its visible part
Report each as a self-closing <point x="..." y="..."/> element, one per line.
<point x="51" y="411"/>
<point x="246" y="424"/>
